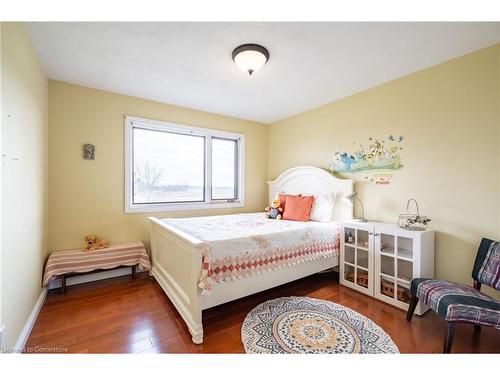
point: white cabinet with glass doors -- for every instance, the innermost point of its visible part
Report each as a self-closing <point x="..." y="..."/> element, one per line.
<point x="380" y="260"/>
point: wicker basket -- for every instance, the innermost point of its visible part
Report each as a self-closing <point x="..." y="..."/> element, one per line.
<point x="413" y="221"/>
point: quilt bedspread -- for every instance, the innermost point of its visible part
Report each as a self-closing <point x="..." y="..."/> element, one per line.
<point x="242" y="245"/>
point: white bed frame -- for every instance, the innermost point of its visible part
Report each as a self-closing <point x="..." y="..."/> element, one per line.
<point x="176" y="255"/>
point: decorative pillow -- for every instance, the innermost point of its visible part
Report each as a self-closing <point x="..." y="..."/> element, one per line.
<point x="282" y="197"/>
<point x="322" y="209"/>
<point x="298" y="207"/>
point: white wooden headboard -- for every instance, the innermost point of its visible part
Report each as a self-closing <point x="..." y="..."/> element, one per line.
<point x="307" y="180"/>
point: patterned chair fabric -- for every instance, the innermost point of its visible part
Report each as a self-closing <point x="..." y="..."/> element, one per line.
<point x="487" y="265"/>
<point x="461" y="303"/>
<point x="457" y="302"/>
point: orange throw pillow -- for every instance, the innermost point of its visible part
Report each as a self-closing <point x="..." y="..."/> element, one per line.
<point x="298" y="207"/>
<point x="282" y="198"/>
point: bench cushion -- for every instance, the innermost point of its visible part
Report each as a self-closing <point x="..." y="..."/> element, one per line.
<point x="80" y="261"/>
<point x="457" y="302"/>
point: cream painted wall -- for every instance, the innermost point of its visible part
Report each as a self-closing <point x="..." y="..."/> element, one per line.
<point x="88" y="196"/>
<point x="449" y="115"/>
<point x="24" y="178"/>
<point x="2" y="326"/>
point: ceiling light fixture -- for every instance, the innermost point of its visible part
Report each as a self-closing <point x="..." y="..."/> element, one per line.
<point x="250" y="58"/>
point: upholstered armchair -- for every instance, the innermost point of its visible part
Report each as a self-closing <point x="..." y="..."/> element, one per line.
<point x="459" y="303"/>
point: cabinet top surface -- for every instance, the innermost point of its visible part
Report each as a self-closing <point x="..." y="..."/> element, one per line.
<point x="387" y="226"/>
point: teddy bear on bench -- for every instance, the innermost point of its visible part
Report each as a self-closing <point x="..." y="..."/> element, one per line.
<point x="95" y="243"/>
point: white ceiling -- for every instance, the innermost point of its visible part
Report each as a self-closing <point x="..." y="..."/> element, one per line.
<point x="189" y="64"/>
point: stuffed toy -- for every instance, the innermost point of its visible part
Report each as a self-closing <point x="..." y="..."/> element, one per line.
<point x="274" y="211"/>
<point x="95" y="243"/>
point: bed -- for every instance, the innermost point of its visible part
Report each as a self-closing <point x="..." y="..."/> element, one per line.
<point x="207" y="261"/>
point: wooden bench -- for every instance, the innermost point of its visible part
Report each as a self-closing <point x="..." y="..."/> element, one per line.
<point x="69" y="263"/>
<point x="66" y="276"/>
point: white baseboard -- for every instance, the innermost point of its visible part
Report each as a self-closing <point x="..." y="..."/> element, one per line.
<point x="74" y="280"/>
<point x="25" y="333"/>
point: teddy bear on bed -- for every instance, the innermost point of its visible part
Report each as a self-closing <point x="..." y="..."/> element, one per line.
<point x="274" y="211"/>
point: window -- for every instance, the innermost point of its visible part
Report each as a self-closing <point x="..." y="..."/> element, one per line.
<point x="224" y="168"/>
<point x="177" y="167"/>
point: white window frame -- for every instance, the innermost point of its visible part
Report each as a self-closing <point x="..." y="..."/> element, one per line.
<point x="208" y="203"/>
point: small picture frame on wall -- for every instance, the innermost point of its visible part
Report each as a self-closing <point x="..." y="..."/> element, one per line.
<point x="88" y="151"/>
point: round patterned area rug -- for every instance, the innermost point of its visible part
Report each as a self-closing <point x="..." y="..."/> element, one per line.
<point x="309" y="325"/>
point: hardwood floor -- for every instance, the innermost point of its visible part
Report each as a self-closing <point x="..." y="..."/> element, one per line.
<point x="135" y="316"/>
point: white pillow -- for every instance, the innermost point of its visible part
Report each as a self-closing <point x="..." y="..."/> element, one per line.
<point x="322" y="209"/>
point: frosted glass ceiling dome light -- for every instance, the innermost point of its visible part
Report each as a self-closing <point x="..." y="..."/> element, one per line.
<point x="250" y="58"/>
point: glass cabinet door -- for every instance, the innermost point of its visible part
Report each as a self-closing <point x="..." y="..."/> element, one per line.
<point x="394" y="266"/>
<point x="356" y="260"/>
<point x="387" y="244"/>
<point x="387" y="286"/>
<point x="403" y="292"/>
<point x="404" y="266"/>
<point x="362" y="245"/>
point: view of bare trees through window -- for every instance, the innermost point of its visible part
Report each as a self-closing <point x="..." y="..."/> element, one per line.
<point x="170" y="167"/>
<point x="149" y="186"/>
<point x="146" y="178"/>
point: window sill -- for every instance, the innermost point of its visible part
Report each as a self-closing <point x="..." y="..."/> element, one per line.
<point x="181" y="207"/>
